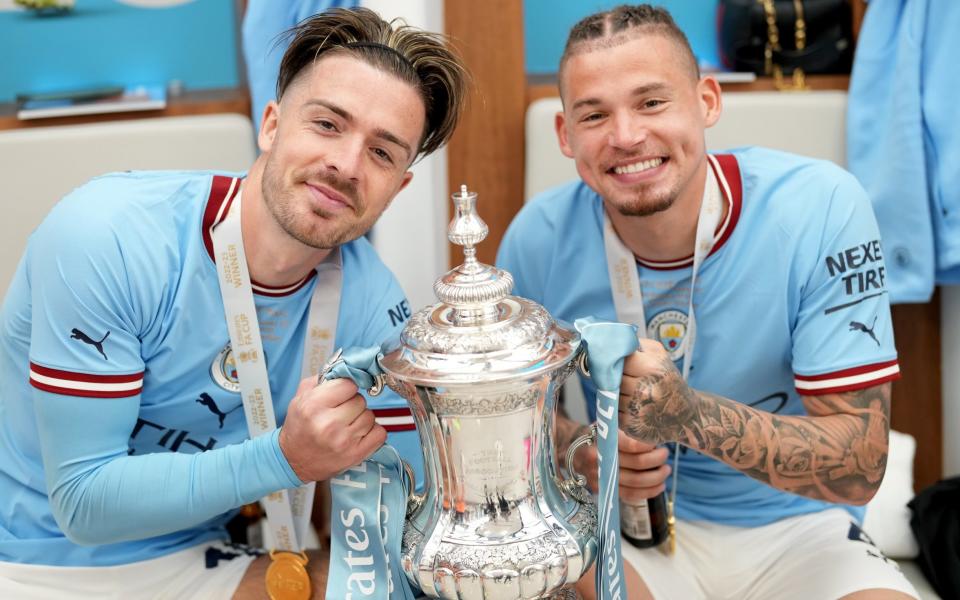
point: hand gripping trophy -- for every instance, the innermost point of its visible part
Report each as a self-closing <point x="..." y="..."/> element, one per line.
<point x="481" y="370"/>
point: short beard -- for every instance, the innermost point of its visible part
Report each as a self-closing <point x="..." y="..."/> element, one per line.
<point x="288" y="220"/>
<point x="280" y="202"/>
<point x="645" y="209"/>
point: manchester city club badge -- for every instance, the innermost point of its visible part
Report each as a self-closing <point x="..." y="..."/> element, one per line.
<point x="669" y="327"/>
<point x="224" y="370"/>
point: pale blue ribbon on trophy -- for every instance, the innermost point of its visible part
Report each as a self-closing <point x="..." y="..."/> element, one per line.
<point x="608" y="344"/>
<point x="368" y="506"/>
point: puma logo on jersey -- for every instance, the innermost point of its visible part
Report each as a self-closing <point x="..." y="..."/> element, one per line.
<point x="208" y="401"/>
<point x="858" y="326"/>
<point x="76" y="334"/>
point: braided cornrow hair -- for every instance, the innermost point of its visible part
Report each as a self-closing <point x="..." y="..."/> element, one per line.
<point x="614" y="26"/>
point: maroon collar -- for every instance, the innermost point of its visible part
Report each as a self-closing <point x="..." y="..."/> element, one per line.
<point x="223" y="191"/>
<point x="727" y="172"/>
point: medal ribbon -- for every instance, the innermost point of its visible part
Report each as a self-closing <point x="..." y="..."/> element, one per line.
<point x="369" y="503"/>
<point x="608" y="344"/>
<point x="288" y="511"/>
<point x="625" y="282"/>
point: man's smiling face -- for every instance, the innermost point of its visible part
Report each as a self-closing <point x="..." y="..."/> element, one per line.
<point x="339" y="146"/>
<point x="633" y="120"/>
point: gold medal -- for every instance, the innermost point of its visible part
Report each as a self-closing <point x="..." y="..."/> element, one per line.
<point x="671" y="528"/>
<point x="287" y="577"/>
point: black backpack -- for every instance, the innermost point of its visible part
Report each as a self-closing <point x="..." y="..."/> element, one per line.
<point x="936" y="525"/>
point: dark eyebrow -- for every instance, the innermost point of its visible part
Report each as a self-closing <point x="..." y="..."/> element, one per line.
<point x="338" y="110"/>
<point x="380" y="133"/>
<point x="637" y="91"/>
<point x="386" y="135"/>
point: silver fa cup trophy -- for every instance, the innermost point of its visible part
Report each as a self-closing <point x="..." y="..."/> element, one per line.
<point x="481" y="370"/>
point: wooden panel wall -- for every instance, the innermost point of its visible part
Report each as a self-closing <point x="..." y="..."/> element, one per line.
<point x="859" y="8"/>
<point x="917" y="396"/>
<point x="486" y="153"/>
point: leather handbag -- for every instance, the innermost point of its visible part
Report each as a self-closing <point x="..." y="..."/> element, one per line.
<point x="769" y="37"/>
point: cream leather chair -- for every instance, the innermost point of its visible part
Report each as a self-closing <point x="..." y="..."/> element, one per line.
<point x="42" y="164"/>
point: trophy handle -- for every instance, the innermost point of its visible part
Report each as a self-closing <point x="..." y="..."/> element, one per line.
<point x="379" y="382"/>
<point x="582" y="365"/>
<point x="414" y="500"/>
<point x="576" y="482"/>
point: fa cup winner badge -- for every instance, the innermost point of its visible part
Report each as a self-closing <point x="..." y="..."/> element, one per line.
<point x="287" y="577"/>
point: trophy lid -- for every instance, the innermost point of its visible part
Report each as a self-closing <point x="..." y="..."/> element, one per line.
<point x="477" y="332"/>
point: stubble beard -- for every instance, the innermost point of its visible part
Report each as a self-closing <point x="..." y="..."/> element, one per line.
<point x="643" y="206"/>
<point x="281" y="201"/>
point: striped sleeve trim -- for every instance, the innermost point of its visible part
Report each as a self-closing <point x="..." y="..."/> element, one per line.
<point x="395" y="419"/>
<point x="69" y="383"/>
<point x="847" y="380"/>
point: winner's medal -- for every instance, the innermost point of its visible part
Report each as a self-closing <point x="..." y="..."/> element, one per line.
<point x="287" y="577"/>
<point x="671" y="526"/>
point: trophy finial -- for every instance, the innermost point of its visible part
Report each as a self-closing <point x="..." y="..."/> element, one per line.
<point x="467" y="229"/>
<point x="473" y="288"/>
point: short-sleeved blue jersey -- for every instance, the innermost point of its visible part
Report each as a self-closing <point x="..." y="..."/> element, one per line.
<point x="116" y="300"/>
<point x="790" y="301"/>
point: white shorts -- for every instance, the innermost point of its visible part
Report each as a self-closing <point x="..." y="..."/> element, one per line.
<point x="818" y="556"/>
<point x="210" y="571"/>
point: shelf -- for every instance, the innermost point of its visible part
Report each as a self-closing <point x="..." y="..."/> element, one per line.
<point x="198" y="102"/>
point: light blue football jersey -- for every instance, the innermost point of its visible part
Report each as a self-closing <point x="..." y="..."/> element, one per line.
<point x="901" y="138"/>
<point x="790" y="301"/>
<point x="115" y="362"/>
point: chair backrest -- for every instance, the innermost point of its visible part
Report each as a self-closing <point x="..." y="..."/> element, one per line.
<point x="811" y="123"/>
<point x="40" y="165"/>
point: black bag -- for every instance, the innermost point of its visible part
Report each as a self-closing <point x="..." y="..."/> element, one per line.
<point x="744" y="36"/>
<point x="936" y="525"/>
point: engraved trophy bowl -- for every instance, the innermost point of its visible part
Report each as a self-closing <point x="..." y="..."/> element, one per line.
<point x="481" y="370"/>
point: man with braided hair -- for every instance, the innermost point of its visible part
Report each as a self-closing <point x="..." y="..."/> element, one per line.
<point x="743" y="271"/>
<point x="128" y="413"/>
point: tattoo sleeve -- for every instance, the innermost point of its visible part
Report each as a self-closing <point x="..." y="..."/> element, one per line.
<point x="837" y="453"/>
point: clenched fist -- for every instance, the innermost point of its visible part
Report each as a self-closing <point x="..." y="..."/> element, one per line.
<point x="656" y="404"/>
<point x="328" y="428"/>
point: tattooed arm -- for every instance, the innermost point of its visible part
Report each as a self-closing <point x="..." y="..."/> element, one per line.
<point x="837" y="453"/>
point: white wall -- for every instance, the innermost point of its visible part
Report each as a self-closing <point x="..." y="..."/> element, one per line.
<point x="411" y="235"/>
